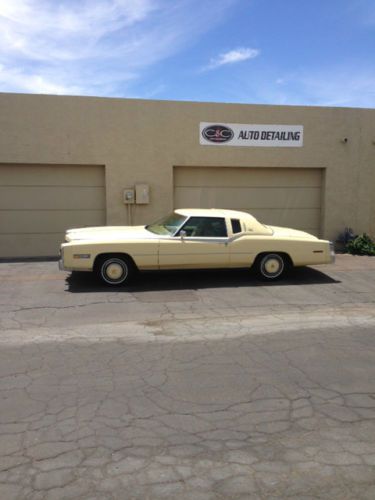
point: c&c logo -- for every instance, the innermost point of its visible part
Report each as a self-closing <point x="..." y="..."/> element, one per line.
<point x="217" y="133"/>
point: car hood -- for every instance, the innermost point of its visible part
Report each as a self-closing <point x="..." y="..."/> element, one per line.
<point x="286" y="232"/>
<point x="105" y="233"/>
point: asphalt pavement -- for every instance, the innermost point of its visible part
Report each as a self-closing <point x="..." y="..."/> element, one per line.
<point x="191" y="385"/>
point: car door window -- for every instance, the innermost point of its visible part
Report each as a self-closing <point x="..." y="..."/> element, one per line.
<point x="206" y="227"/>
<point x="236" y="226"/>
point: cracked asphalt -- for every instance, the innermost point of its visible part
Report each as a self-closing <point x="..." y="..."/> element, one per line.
<point x="188" y="385"/>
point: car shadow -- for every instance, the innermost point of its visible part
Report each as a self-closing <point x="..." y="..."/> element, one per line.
<point x="83" y="282"/>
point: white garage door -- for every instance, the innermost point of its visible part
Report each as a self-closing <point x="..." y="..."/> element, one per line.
<point x="39" y="202"/>
<point x="289" y="197"/>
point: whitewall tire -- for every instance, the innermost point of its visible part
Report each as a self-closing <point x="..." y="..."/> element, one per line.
<point x="114" y="271"/>
<point x="271" y="266"/>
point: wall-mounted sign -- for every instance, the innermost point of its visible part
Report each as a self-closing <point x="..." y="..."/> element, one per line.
<point x="236" y="134"/>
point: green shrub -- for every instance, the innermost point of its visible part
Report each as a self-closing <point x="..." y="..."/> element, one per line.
<point x="361" y="245"/>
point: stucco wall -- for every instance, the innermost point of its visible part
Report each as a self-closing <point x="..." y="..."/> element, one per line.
<point x="141" y="141"/>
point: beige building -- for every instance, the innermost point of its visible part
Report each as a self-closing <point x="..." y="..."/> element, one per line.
<point x="81" y="161"/>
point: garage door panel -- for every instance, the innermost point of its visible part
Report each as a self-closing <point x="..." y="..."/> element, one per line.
<point x="51" y="197"/>
<point x="236" y="198"/>
<point x="37" y="245"/>
<point x="246" y="177"/>
<point x="47" y="221"/>
<point x="288" y="197"/>
<point x="39" y="202"/>
<point x="52" y="175"/>
<point x="276" y="217"/>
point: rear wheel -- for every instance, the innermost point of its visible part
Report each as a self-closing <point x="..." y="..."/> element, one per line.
<point x="114" y="270"/>
<point x="271" y="266"/>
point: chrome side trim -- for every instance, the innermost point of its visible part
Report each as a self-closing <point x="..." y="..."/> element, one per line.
<point x="201" y="239"/>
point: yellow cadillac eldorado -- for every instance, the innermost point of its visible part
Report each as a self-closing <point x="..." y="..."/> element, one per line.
<point x="191" y="239"/>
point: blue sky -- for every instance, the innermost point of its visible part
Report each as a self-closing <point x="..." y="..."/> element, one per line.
<point x="303" y="52"/>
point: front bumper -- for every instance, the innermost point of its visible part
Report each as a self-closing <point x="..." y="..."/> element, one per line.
<point x="61" y="262"/>
<point x="332" y="252"/>
<point x="62" y="267"/>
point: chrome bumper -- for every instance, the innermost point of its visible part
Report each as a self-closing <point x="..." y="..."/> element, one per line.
<point x="63" y="268"/>
<point x="332" y="252"/>
<point x="61" y="265"/>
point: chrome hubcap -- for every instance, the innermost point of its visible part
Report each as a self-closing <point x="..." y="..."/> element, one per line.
<point x="272" y="266"/>
<point x="114" y="271"/>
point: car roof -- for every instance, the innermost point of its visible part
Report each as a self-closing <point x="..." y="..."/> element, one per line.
<point x="251" y="223"/>
<point x="213" y="212"/>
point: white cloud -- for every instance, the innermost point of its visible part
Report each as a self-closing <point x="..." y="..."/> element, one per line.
<point x="232" y="57"/>
<point x="55" y="81"/>
<point x="43" y="30"/>
<point x="33" y="83"/>
<point x="94" y="46"/>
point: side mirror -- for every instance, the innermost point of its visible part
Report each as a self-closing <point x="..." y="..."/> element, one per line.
<point x="182" y="234"/>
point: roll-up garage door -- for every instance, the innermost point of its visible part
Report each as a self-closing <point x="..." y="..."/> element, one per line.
<point x="289" y="197"/>
<point x="39" y="202"/>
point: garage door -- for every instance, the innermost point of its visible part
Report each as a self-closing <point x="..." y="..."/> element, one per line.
<point x="288" y="197"/>
<point x="39" y="202"/>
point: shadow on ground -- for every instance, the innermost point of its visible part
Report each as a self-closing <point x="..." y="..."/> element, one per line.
<point x="195" y="280"/>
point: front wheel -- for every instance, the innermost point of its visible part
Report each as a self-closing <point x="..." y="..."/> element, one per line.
<point x="271" y="266"/>
<point x="113" y="270"/>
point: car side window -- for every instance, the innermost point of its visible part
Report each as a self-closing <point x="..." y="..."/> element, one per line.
<point x="211" y="227"/>
<point x="236" y="226"/>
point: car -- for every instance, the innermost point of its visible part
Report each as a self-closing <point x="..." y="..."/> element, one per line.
<point x="191" y="239"/>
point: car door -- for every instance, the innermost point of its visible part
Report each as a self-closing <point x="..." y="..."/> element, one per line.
<point x="202" y="242"/>
<point x="241" y="247"/>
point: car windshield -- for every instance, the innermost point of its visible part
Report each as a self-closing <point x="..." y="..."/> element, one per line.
<point x="167" y="225"/>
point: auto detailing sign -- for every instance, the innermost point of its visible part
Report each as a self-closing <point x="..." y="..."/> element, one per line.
<point x="236" y="134"/>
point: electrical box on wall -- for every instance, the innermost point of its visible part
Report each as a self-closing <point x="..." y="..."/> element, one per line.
<point x="128" y="196"/>
<point x="142" y="194"/>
